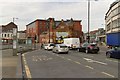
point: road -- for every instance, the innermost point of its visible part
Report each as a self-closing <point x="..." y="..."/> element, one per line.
<point x="46" y="64"/>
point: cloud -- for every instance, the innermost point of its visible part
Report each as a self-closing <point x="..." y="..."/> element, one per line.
<point x="28" y="11"/>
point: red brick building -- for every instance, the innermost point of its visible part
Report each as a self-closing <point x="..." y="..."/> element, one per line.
<point x="35" y="28"/>
<point x="45" y="31"/>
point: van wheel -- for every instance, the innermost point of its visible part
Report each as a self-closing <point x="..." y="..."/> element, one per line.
<point x="57" y="52"/>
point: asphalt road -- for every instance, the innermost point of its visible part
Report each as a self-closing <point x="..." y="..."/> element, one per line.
<point x="46" y="64"/>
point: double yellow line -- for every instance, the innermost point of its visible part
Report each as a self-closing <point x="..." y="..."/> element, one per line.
<point x="27" y="70"/>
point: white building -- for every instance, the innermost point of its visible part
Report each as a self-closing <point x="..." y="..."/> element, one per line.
<point x="21" y="36"/>
<point x="112" y="18"/>
<point x="7" y="33"/>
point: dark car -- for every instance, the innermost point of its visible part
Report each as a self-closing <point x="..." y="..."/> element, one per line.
<point x="89" y="48"/>
<point x="113" y="53"/>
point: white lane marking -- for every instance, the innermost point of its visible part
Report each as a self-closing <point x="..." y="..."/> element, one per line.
<point x="69" y="59"/>
<point x="77" y="62"/>
<point x="107" y="74"/>
<point x="91" y="60"/>
<point x="89" y="67"/>
<point x="85" y="55"/>
<point x="57" y="55"/>
<point x="62" y="57"/>
<point x="112" y="60"/>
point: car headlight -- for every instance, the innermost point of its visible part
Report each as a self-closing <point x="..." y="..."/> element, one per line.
<point x="59" y="50"/>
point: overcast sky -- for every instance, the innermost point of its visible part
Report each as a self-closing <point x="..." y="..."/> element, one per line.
<point x="29" y="10"/>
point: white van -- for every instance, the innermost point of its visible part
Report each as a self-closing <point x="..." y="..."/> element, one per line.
<point x="72" y="43"/>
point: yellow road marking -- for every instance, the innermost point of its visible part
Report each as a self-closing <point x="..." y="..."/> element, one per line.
<point x="27" y="70"/>
<point x="107" y="74"/>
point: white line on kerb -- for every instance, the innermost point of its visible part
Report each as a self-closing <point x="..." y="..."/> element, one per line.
<point x="108" y="74"/>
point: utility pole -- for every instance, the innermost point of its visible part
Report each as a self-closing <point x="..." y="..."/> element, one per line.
<point x="49" y="24"/>
<point x="14" y="40"/>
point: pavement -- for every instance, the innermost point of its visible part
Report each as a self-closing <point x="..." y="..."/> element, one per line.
<point x="9" y="64"/>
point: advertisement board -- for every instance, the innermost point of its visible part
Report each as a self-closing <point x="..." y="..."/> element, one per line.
<point x="63" y="34"/>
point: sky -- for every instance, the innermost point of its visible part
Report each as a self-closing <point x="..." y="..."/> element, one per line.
<point x="26" y="11"/>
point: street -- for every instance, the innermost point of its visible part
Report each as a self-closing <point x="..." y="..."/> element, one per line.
<point x="46" y="64"/>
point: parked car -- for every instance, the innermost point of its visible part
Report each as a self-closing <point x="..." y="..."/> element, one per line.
<point x="89" y="48"/>
<point x="49" y="46"/>
<point x="60" y="48"/>
<point x="114" y="52"/>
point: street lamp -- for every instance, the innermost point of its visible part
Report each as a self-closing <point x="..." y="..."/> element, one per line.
<point x="14" y="19"/>
<point x="88" y="37"/>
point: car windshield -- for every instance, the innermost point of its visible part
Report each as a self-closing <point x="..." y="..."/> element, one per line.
<point x="93" y="45"/>
<point x="62" y="46"/>
<point x="45" y="44"/>
<point x="85" y="44"/>
<point x="51" y="44"/>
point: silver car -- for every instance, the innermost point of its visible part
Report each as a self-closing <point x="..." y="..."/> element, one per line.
<point x="48" y="46"/>
<point x="60" y="48"/>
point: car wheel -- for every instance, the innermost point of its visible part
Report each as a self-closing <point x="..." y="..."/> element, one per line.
<point x="53" y="51"/>
<point x="57" y="52"/>
<point x="86" y="51"/>
<point x="108" y="55"/>
<point x="78" y="50"/>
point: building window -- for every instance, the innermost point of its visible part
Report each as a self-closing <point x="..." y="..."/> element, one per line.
<point x="115" y="12"/>
<point x="119" y="9"/>
<point x="2" y="35"/>
<point x="119" y="22"/>
<point x="11" y="35"/>
<point x="8" y="35"/>
<point x="5" y="35"/>
<point x="108" y="26"/>
<point x="115" y="23"/>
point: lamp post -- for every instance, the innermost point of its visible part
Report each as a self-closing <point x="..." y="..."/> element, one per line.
<point x="14" y="19"/>
<point x="88" y="37"/>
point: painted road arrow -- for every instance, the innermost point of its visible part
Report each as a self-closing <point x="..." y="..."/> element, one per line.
<point x="94" y="61"/>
